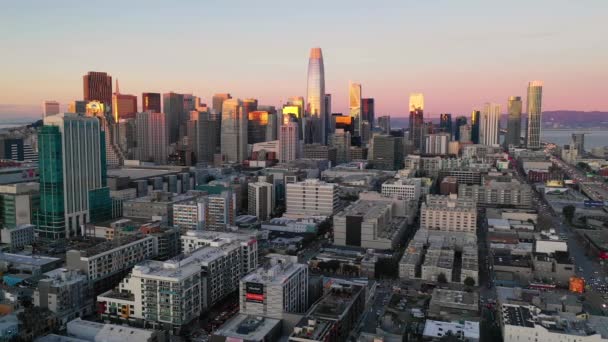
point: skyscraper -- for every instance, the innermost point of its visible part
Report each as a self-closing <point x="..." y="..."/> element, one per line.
<point x="340" y="139"/>
<point x="475" y="117"/>
<point x="514" y="122"/>
<point x="489" y="124"/>
<point x="50" y="108"/>
<point x="124" y="106"/>
<point x="234" y="131"/>
<point x="327" y="116"/>
<point x="257" y="125"/>
<point x="315" y="95"/>
<point x="260" y="197"/>
<point x="217" y="102"/>
<point x="367" y="111"/>
<point x="150" y="102"/>
<point x="416" y="119"/>
<point x="535" y="99"/>
<point x="354" y="104"/>
<point x="384" y="122"/>
<point x="151" y="135"/>
<point x="578" y="140"/>
<point x="173" y="107"/>
<point x="445" y="123"/>
<point x="97" y="86"/>
<point x="460" y="121"/>
<point x="203" y="136"/>
<point x="114" y="155"/>
<point x="288" y="140"/>
<point x="72" y="175"/>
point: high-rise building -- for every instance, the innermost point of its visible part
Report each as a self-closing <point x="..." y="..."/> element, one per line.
<point x="114" y="155"/>
<point x="387" y="152"/>
<point x="340" y="139"/>
<point x="151" y="137"/>
<point x="535" y="99"/>
<point x="202" y="134"/>
<point x="445" y="123"/>
<point x="260" y="196"/>
<point x="73" y="188"/>
<point x="343" y="122"/>
<point x="50" y="108"/>
<point x="489" y="124"/>
<point x="354" y="104"/>
<point x="465" y="134"/>
<point x="368" y="112"/>
<point x="150" y="102"/>
<point x="257" y="125"/>
<point x="437" y="144"/>
<point x="384" y="122"/>
<point x="124" y="106"/>
<point x="274" y="121"/>
<point x="218" y="102"/>
<point x="173" y="107"/>
<point x="460" y="121"/>
<point x="234" y="131"/>
<point x="315" y="96"/>
<point x="97" y="86"/>
<point x="79" y="107"/>
<point x="513" y="135"/>
<point x="475" y="118"/>
<point x="288" y="140"/>
<point x="578" y="140"/>
<point x="311" y="197"/>
<point x="327" y="116"/>
<point x="416" y="119"/>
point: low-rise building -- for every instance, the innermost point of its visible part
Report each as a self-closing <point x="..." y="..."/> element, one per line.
<point x="402" y="188"/>
<point x="158" y="205"/>
<point x="249" y="328"/>
<point x="454" y="305"/>
<point x="369" y="224"/>
<point x="311" y="198"/>
<point x="462" y="331"/>
<point x="498" y="193"/>
<point x="18" y="237"/>
<point x="66" y="293"/>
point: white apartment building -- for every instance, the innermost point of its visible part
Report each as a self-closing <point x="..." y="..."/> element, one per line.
<point x="402" y="188"/>
<point x="311" y="197"/>
<point x="109" y="258"/>
<point x="273" y="289"/>
<point x="437" y="143"/>
<point x="448" y="213"/>
<point x="172" y="293"/>
<point x="248" y="243"/>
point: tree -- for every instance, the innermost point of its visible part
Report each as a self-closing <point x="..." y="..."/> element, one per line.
<point x="568" y="212"/>
<point x="441" y="278"/>
<point x="470" y="282"/>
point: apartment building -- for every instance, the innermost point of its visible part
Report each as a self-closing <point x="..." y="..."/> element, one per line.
<point x="448" y="213"/>
<point x="402" y="188"/>
<point x="311" y="197"/>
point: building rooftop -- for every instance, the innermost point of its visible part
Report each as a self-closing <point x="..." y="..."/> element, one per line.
<point x="106" y="246"/>
<point x="277" y="271"/>
<point x="142" y="173"/>
<point x="438" y="329"/>
<point x="312" y="328"/>
<point x="33" y="260"/>
<point x="333" y="305"/>
<point x="248" y="327"/>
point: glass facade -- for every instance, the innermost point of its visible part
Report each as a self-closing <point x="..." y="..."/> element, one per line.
<point x="514" y="121"/>
<point x="354" y="103"/>
<point x="315" y="98"/>
<point x="51" y="216"/>
<point x="535" y="97"/>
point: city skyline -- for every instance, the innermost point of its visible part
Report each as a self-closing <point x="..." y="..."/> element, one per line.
<point x="560" y="56"/>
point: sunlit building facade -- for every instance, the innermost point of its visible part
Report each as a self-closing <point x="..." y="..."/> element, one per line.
<point x="354" y="105"/>
<point x="514" y="121"/>
<point x="97" y="86"/>
<point x="315" y="98"/>
<point x="489" y="124"/>
<point x="535" y="99"/>
<point x="234" y="131"/>
<point x="150" y="102"/>
<point x="416" y="119"/>
<point x="257" y="125"/>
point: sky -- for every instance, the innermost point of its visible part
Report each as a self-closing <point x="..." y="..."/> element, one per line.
<point x="460" y="54"/>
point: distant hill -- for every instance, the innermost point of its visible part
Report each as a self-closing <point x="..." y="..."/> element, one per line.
<point x="551" y="119"/>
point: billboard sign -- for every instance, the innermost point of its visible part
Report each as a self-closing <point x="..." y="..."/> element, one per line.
<point x="254" y="292"/>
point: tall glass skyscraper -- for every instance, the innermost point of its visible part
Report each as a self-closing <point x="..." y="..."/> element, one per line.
<point x="489" y="124"/>
<point x="535" y="99"/>
<point x="73" y="183"/>
<point x="416" y="119"/>
<point x="354" y="104"/>
<point x="234" y="131"/>
<point x="514" y="121"/>
<point x="173" y="107"/>
<point x="315" y="96"/>
<point x="445" y="123"/>
<point x="460" y="121"/>
<point x="475" y="116"/>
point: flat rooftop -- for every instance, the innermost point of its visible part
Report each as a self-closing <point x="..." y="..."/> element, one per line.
<point x="141" y="173"/>
<point x="336" y="302"/>
<point x="34" y="260"/>
<point x="517" y="315"/>
<point x="275" y="272"/>
<point x="248" y="327"/>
